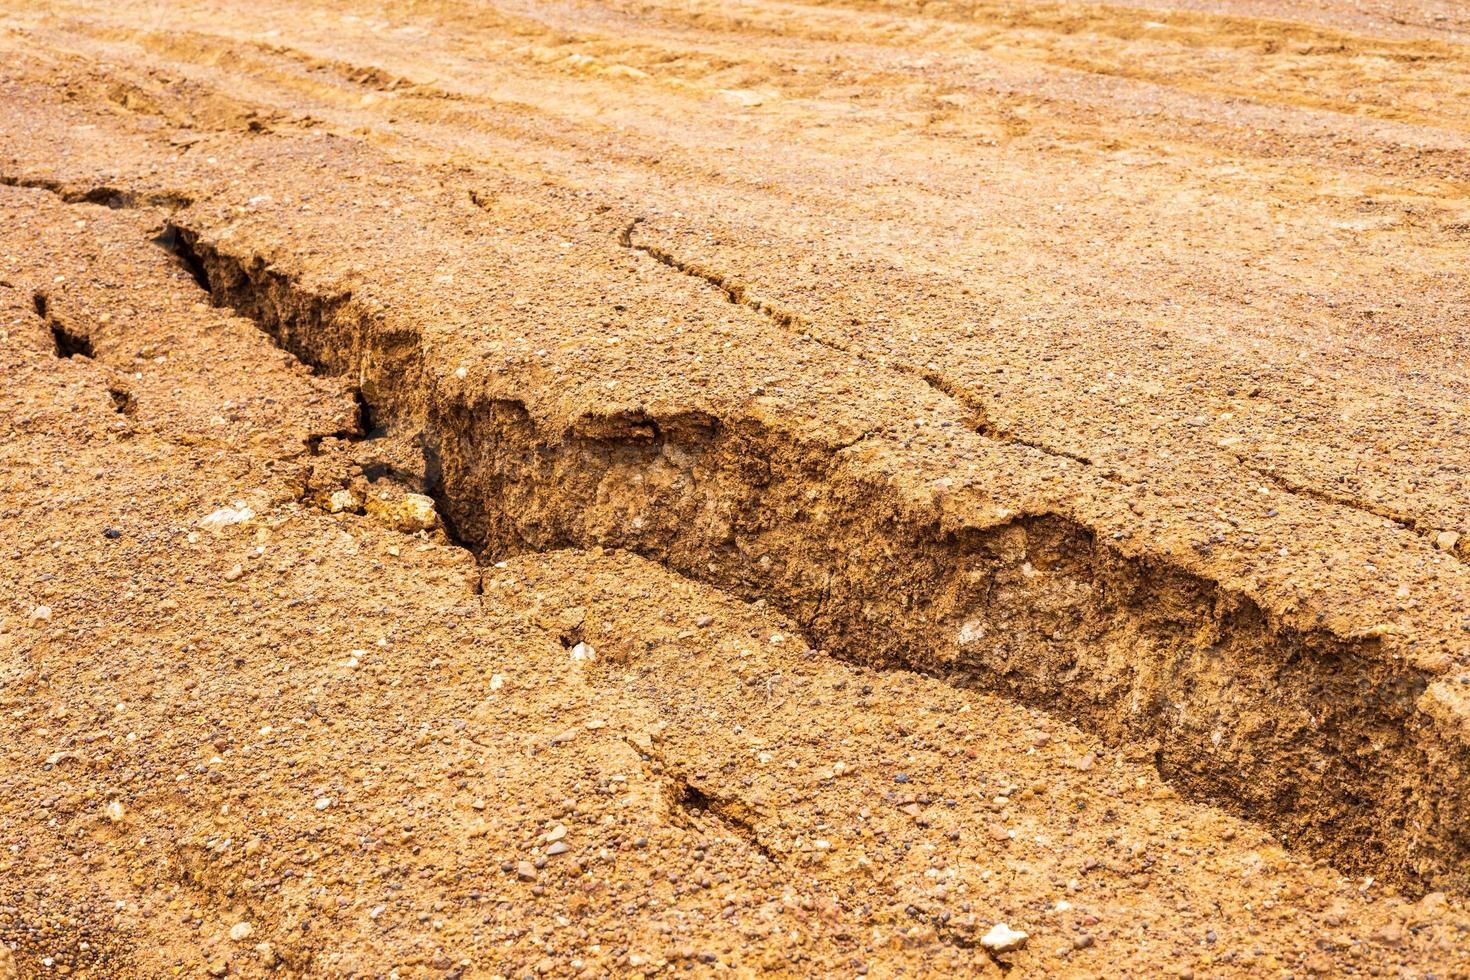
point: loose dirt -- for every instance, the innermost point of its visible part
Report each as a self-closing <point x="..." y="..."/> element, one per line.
<point x="857" y="488"/>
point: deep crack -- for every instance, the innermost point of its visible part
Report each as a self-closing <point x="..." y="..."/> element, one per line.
<point x="1036" y="608"/>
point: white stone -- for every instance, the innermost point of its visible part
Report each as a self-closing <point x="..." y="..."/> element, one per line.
<point x="241" y="931"/>
<point x="226" y="516"/>
<point x="341" y="500"/>
<point x="970" y="632"/>
<point x="1002" y="938"/>
<point x="418" y="512"/>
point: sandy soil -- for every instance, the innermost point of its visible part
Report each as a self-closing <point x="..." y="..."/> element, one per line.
<point x="821" y="489"/>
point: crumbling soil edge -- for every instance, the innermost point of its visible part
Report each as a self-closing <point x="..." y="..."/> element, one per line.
<point x="1314" y="735"/>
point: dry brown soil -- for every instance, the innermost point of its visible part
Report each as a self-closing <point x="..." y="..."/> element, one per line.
<point x="821" y="488"/>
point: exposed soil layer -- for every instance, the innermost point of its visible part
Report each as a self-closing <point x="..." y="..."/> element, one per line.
<point x="843" y="488"/>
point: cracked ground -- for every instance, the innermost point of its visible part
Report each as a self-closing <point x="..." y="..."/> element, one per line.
<point x="835" y="488"/>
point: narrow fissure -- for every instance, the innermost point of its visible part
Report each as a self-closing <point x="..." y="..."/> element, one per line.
<point x="100" y="194"/>
<point x="691" y="799"/>
<point x="736" y="294"/>
<point x="687" y="798"/>
<point x="68" y="342"/>
<point x="1351" y="503"/>
<point x="1037" y="609"/>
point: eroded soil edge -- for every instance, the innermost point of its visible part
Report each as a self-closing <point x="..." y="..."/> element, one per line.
<point x="1315" y="736"/>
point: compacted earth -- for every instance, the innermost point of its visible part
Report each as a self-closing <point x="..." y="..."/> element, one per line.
<point x="859" y="488"/>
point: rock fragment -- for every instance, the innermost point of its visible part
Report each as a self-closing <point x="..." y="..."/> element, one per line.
<point x="1003" y="939"/>
<point x="226" y="516"/>
<point x="342" y="501"/>
<point x="409" y="513"/>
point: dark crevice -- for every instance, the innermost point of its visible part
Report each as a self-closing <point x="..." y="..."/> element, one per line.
<point x="122" y="401"/>
<point x="733" y="814"/>
<point x="433" y="487"/>
<point x="100" y="194"/>
<point x="362" y="430"/>
<point x="170" y="242"/>
<point x="69" y="343"/>
<point x="367" y="425"/>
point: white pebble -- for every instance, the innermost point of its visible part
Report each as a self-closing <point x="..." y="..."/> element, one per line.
<point x="1002" y="938"/>
<point x="226" y="516"/>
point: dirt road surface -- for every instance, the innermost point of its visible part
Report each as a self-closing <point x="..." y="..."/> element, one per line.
<point x="648" y="488"/>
